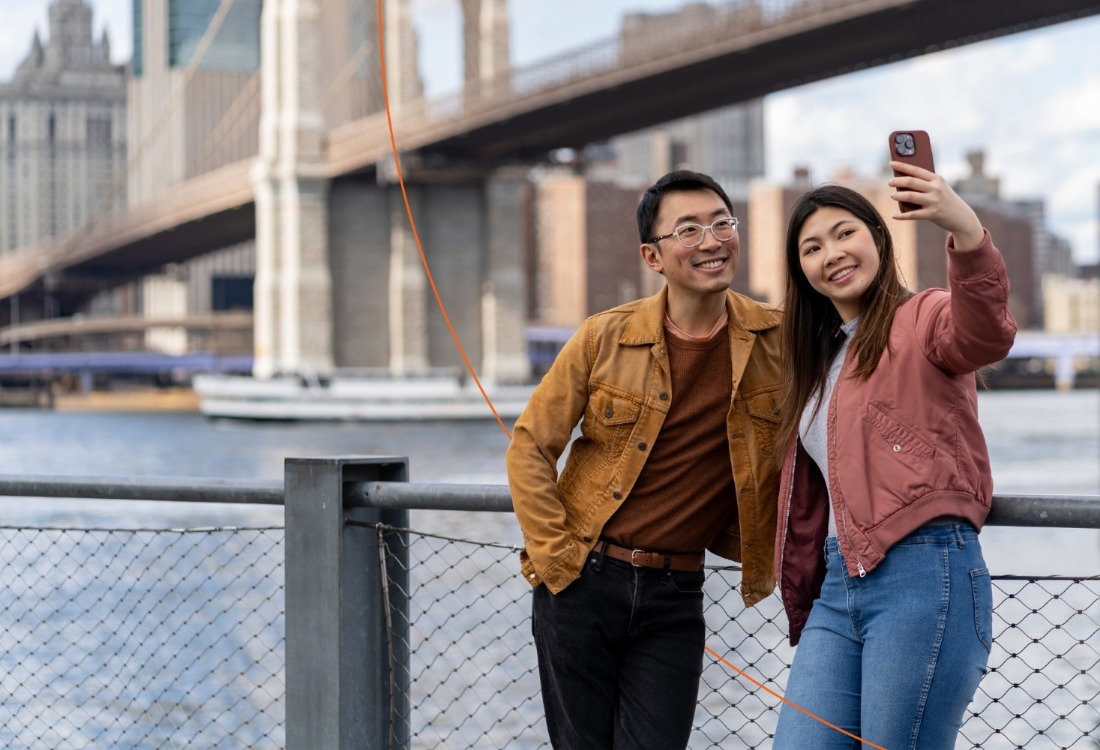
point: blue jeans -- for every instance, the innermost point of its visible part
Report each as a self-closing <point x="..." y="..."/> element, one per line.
<point x="620" y="656"/>
<point x="894" y="657"/>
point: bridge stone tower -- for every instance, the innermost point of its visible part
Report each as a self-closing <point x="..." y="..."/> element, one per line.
<point x="339" y="280"/>
<point x="293" y="289"/>
<point x="485" y="39"/>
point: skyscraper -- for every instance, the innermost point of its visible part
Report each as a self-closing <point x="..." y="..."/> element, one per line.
<point x="62" y="132"/>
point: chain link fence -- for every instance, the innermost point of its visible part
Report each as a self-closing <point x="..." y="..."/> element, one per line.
<point x="141" y="638"/>
<point x="475" y="682"/>
<point x="175" y="638"/>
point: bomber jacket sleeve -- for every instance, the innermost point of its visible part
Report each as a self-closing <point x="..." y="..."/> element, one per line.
<point x="540" y="436"/>
<point x="971" y="327"/>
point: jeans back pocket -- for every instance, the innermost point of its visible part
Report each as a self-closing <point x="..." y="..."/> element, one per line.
<point x="982" y="587"/>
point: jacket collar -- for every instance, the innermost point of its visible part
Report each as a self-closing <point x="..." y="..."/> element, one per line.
<point x="647" y="322"/>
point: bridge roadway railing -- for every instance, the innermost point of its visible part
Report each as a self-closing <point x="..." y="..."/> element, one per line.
<point x="345" y="628"/>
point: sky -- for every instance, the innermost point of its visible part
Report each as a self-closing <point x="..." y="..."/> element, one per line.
<point x="1028" y="101"/>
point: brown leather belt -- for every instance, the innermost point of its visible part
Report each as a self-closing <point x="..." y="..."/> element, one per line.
<point x="642" y="559"/>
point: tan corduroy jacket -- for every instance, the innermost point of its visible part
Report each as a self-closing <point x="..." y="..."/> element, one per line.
<point x="613" y="378"/>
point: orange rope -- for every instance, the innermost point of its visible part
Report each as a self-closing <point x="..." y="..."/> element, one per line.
<point x="773" y="693"/>
<point x="473" y="374"/>
<point x="416" y="234"/>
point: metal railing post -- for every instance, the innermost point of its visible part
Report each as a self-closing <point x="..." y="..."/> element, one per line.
<point x="342" y="693"/>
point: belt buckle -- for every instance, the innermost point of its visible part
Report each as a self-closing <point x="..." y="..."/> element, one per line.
<point x="634" y="552"/>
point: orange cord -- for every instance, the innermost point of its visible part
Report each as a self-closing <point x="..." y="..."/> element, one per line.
<point x="416" y="234"/>
<point x="473" y="374"/>
<point x="792" y="704"/>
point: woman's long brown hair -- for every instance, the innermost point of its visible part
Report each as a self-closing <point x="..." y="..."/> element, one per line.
<point x="811" y="324"/>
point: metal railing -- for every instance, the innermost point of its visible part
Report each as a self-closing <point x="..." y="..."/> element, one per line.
<point x="348" y="629"/>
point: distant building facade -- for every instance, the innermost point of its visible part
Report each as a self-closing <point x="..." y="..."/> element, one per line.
<point x="586" y="248"/>
<point x="63" y="132"/>
<point x="1071" y="305"/>
<point x="1032" y="253"/>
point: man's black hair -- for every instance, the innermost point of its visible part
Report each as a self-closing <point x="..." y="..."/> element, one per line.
<point x="680" y="180"/>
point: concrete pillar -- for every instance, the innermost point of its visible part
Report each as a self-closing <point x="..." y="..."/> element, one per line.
<point x="359" y="249"/>
<point x="505" y="288"/>
<point x="293" y="279"/>
<point x="455" y="224"/>
<point x="385" y="314"/>
<point x="1065" y="371"/>
<point x="485" y="40"/>
<point x="265" y="309"/>
<point x="408" y="288"/>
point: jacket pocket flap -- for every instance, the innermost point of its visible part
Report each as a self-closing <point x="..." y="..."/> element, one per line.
<point x="611" y="409"/>
<point x="897" y="432"/>
<point x="765" y="406"/>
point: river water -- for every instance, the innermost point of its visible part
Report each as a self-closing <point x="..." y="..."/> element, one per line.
<point x="1041" y="443"/>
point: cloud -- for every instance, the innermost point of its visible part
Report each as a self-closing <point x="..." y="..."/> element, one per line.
<point x="1027" y="101"/>
<point x="22" y="17"/>
<point x="16" y="34"/>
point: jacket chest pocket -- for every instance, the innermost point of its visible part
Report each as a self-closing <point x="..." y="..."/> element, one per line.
<point x="900" y="437"/>
<point x="610" y="417"/>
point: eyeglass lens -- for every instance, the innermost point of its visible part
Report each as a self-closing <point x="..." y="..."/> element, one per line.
<point x="691" y="235"/>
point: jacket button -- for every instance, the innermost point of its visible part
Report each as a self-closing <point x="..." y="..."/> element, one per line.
<point x="897" y="449"/>
<point x="532" y="576"/>
<point x="617" y="495"/>
<point x="641" y="446"/>
<point x="609" y="412"/>
<point x="663" y="395"/>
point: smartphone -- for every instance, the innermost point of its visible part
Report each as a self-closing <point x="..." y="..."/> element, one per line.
<point x="912" y="147"/>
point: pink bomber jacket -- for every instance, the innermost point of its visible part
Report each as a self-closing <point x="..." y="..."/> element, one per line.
<point x="905" y="446"/>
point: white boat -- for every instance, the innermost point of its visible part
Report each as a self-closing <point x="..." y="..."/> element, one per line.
<point x="356" y="396"/>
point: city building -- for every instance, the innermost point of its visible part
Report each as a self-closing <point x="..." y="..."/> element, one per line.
<point x="586" y="250"/>
<point x="63" y="132"/>
<point x="1071" y="305"/>
<point x="1030" y="260"/>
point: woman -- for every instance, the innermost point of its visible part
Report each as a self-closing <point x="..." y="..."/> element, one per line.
<point x="886" y="477"/>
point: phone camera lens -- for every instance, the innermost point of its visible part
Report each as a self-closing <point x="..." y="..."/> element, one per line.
<point x="904" y="144"/>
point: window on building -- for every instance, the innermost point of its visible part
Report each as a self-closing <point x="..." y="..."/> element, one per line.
<point x="231" y="293"/>
<point x="237" y="44"/>
<point x="139" y="40"/>
<point x="98" y="132"/>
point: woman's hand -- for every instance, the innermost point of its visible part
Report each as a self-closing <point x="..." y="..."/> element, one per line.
<point x="938" y="203"/>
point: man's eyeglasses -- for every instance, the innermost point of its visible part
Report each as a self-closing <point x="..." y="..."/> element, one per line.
<point x="691" y="235"/>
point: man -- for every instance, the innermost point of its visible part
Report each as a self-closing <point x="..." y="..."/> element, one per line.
<point x="676" y="396"/>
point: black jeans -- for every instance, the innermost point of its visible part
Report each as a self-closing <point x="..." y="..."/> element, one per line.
<point x="620" y="655"/>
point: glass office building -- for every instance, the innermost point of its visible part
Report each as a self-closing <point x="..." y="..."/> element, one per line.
<point x="235" y="47"/>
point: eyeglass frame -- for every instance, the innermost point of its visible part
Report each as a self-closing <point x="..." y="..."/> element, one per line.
<point x="702" y="234"/>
